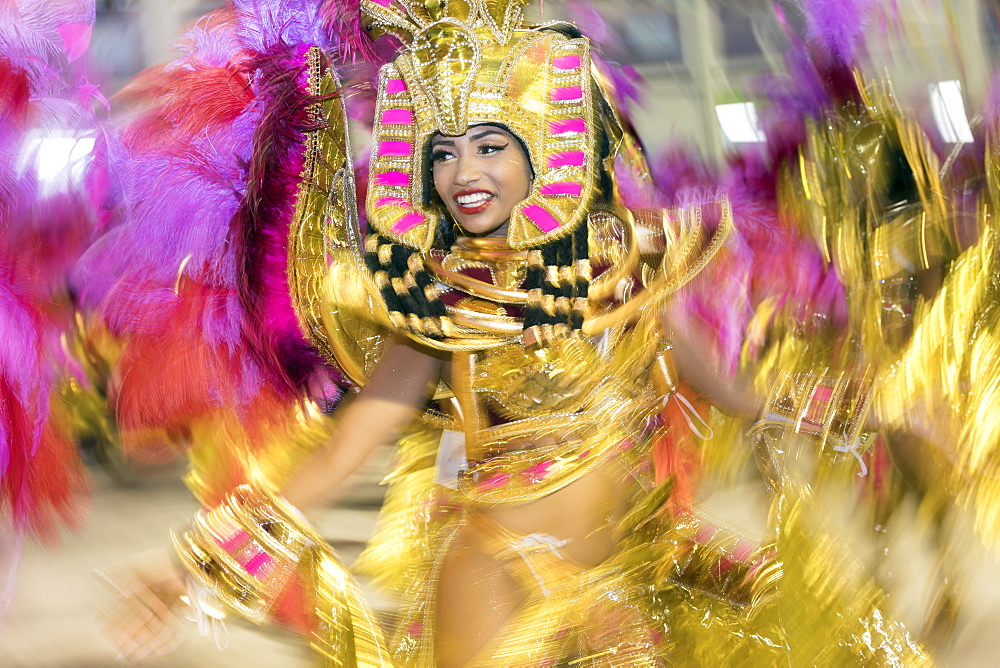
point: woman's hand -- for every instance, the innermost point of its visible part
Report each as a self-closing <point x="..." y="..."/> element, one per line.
<point x="142" y="621"/>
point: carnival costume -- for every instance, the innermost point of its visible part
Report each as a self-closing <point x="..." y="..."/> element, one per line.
<point x="559" y="369"/>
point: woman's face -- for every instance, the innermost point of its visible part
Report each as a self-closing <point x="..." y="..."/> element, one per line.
<point x="480" y="176"/>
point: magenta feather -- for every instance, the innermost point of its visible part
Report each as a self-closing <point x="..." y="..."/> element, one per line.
<point x="205" y="176"/>
<point x="261" y="226"/>
<point x="44" y="224"/>
<point x="342" y="19"/>
<point x="21" y="363"/>
<point x="32" y="35"/>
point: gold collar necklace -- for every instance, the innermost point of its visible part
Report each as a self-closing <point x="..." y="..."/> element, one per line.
<point x="487" y="249"/>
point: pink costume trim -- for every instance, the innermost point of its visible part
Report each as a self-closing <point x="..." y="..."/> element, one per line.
<point x="407" y="222"/>
<point x="568" y="125"/>
<point x="705" y="534"/>
<point x="394" y="86"/>
<point x="499" y="480"/>
<point x="256" y="565"/>
<point x="397" y="117"/>
<point x="392" y="179"/>
<point x="394" y="149"/>
<point x="235" y="541"/>
<point x="541" y="218"/>
<point x="567" y="93"/>
<point x="392" y="201"/>
<point x="570" y="188"/>
<point x="743" y="551"/>
<point x="566" y="63"/>
<point x="565" y="159"/>
<point x="756" y="566"/>
<point x="537" y="473"/>
<point x="822" y="394"/>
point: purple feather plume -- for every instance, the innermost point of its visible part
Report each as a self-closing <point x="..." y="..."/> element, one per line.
<point x="205" y="176"/>
<point x="838" y="24"/>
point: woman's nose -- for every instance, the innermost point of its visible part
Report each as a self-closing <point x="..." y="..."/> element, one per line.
<point x="466" y="170"/>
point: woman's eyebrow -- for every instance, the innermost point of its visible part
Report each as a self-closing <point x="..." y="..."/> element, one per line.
<point x="441" y="141"/>
<point x="486" y="133"/>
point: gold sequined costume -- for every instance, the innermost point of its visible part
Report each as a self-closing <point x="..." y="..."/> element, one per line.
<point x="528" y="413"/>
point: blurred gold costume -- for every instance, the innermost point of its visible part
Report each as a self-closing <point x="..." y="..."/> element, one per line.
<point x="532" y="411"/>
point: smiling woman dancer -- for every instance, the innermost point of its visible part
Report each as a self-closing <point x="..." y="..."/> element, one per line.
<point x="544" y="433"/>
<point x="503" y="315"/>
<point x="491" y="192"/>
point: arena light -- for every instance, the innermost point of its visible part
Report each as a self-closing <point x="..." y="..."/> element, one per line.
<point x="59" y="163"/>
<point x="948" y="107"/>
<point x="739" y="123"/>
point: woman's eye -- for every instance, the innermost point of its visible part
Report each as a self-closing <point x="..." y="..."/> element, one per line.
<point x="440" y="155"/>
<point x="486" y="149"/>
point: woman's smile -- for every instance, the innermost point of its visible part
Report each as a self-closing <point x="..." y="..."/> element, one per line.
<point x="473" y="201"/>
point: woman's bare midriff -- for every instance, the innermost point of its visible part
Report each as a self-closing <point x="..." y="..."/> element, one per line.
<point x="477" y="595"/>
<point x="584" y="514"/>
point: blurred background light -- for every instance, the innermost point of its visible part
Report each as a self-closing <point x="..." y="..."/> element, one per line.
<point x="59" y="163"/>
<point x="739" y="123"/>
<point x="948" y="106"/>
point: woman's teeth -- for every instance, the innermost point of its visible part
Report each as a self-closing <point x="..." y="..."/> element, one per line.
<point x="473" y="199"/>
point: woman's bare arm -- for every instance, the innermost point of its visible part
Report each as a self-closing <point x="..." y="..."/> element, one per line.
<point x="698" y="363"/>
<point x="400" y="384"/>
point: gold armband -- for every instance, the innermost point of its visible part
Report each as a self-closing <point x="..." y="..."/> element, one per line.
<point x="254" y="549"/>
<point x="719" y="561"/>
<point x="831" y="409"/>
<point x="246" y="549"/>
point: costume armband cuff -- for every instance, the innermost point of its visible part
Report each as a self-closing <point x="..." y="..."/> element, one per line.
<point x="247" y="549"/>
<point x="833" y="409"/>
<point x="720" y="561"/>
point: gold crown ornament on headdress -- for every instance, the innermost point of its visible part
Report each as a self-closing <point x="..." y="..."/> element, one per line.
<point x="473" y="62"/>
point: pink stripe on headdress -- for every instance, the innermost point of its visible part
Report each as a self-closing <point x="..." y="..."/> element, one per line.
<point x="235" y="541"/>
<point x="397" y="117"/>
<point x="562" y="188"/>
<point x="540" y="217"/>
<point x="392" y="179"/>
<point x="566" y="62"/>
<point x="392" y="201"/>
<point x="565" y="159"/>
<point x="394" y="149"/>
<point x="822" y="394"/>
<point x="567" y="93"/>
<point x="382" y="3"/>
<point x="407" y="222"/>
<point x="568" y="125"/>
<point x="258" y="564"/>
<point x="393" y="86"/>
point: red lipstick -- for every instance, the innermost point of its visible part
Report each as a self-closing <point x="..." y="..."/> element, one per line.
<point x="476" y="200"/>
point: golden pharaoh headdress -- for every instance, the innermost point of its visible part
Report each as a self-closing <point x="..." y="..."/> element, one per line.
<point x="470" y="62"/>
